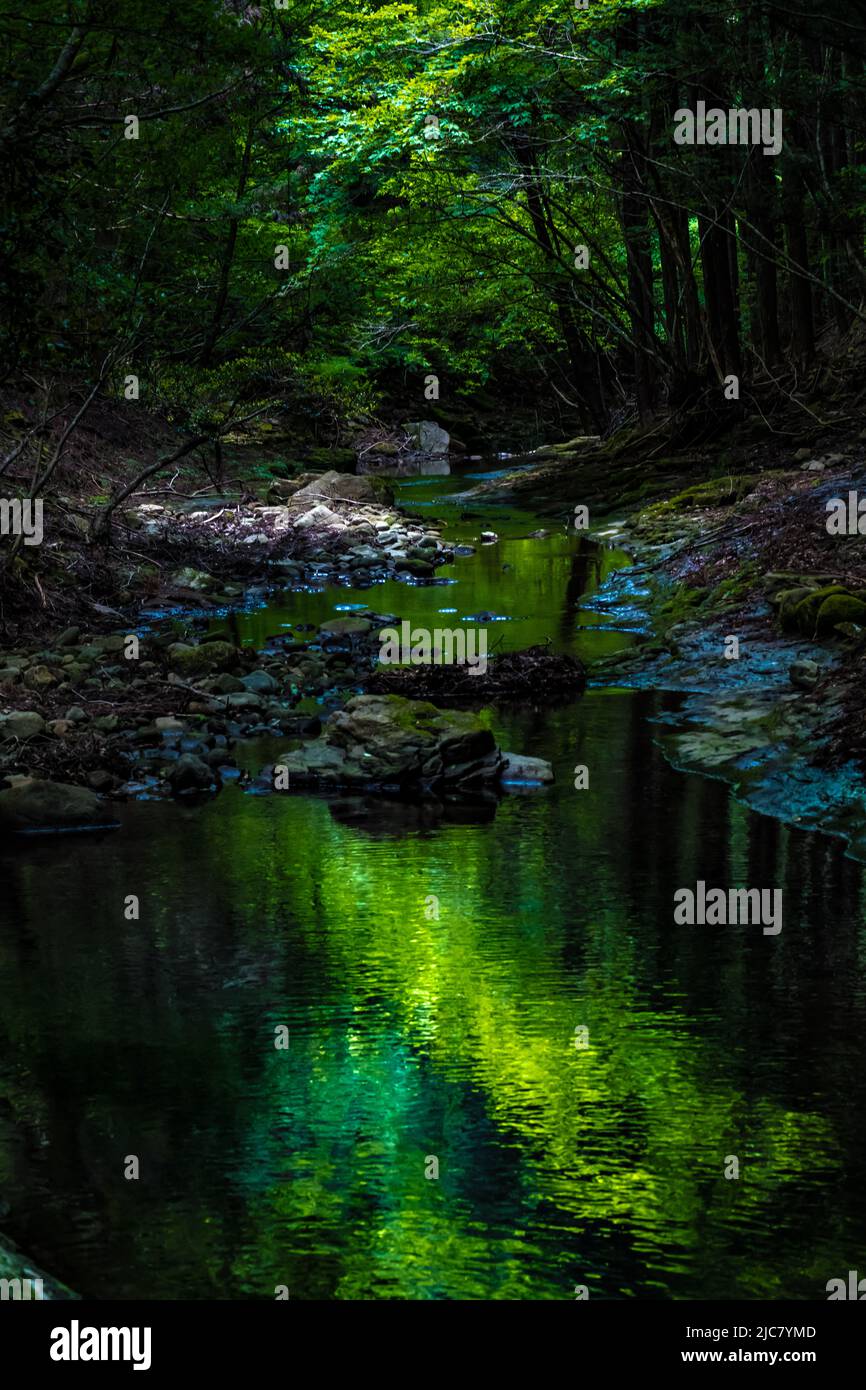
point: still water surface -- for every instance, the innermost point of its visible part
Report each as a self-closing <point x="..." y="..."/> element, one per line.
<point x="455" y="1038"/>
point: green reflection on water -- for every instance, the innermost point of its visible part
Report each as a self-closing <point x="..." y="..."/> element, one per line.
<point x="452" y="1037"/>
<point x="535" y="585"/>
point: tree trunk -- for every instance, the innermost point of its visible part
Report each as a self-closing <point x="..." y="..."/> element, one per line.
<point x="797" y="246"/>
<point x="581" y="358"/>
<point x="227" y="257"/>
<point x="719" y="296"/>
<point x="763" y="214"/>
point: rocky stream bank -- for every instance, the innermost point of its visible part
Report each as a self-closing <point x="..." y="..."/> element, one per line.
<point x="157" y="707"/>
<point x="753" y="609"/>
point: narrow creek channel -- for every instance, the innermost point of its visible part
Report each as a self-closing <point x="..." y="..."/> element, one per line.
<point x="559" y="1165"/>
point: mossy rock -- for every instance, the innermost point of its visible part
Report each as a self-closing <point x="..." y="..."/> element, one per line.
<point x="785" y="580"/>
<point x="788" y="601"/>
<point x="839" y="608"/>
<point x="718" y="492"/>
<point x="203" y="660"/>
<point x="805" y="613"/>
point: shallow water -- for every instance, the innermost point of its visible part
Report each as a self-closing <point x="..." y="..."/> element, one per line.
<point x="413" y="1037"/>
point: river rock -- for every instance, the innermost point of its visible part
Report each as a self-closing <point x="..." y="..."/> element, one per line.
<point x="197" y="661"/>
<point x="107" y="723"/>
<point x="244" y="699"/>
<point x="190" y="774"/>
<point x="518" y="768"/>
<point x="101" y="780"/>
<point x="59" y="728"/>
<point x="388" y="739"/>
<point x="345" y="627"/>
<point x="318" y="762"/>
<point x="114" y="642"/>
<point x="361" y="556"/>
<point x="260" y="683"/>
<point x="429" y="437"/>
<point x="169" y="724"/>
<point x="39" y="678"/>
<point x="414" y="562"/>
<point x="21" y="724"/>
<point x="345" y="487"/>
<point x="35" y="805"/>
<point x="193" y="579"/>
<point x="225" y="684"/>
<point x="803" y="674"/>
<point x="283" y="488"/>
<point x="322" y="517"/>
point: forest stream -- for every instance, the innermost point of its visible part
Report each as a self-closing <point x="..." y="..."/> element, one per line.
<point x="503" y="990"/>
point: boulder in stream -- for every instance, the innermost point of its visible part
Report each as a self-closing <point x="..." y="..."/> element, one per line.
<point x="190" y="774"/>
<point x="33" y="806"/>
<point x="386" y="740"/>
<point x="429" y="437"/>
